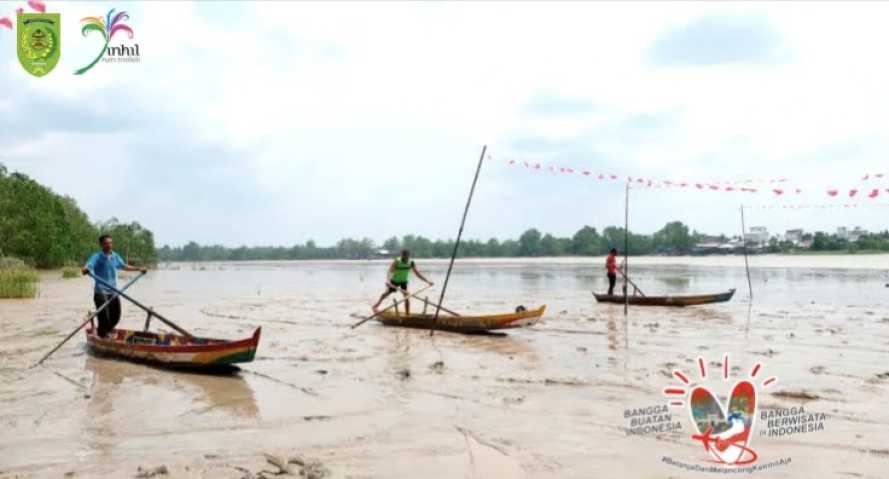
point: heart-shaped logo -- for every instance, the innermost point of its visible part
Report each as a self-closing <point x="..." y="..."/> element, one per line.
<point x="725" y="433"/>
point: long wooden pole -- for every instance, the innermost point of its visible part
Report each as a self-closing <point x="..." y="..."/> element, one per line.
<point x="446" y="310"/>
<point x="145" y="308"/>
<point x="635" y="286"/>
<point x="746" y="262"/>
<point x="626" y="272"/>
<point x="88" y="319"/>
<point x="372" y="316"/>
<point x="444" y="286"/>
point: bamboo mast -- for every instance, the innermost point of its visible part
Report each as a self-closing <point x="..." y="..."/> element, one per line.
<point x="444" y="286"/>
<point x="626" y="249"/>
<point x="746" y="261"/>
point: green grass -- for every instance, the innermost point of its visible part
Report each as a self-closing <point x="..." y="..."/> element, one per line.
<point x="17" y="280"/>
<point x="70" y="272"/>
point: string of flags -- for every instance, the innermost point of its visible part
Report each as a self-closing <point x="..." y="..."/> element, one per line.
<point x="815" y="206"/>
<point x="778" y="186"/>
<point x="35" y="5"/>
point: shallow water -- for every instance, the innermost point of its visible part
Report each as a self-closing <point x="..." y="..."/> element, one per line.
<point x="548" y="401"/>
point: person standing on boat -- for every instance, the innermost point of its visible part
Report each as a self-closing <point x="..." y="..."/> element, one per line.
<point x="398" y="275"/>
<point x="104" y="265"/>
<point x="611" y="269"/>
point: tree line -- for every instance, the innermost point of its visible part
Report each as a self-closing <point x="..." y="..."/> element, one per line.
<point x="47" y="230"/>
<point x="674" y="237"/>
<point x="826" y="242"/>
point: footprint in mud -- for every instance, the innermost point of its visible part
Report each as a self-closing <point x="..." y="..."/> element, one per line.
<point x="800" y="395"/>
<point x="768" y="353"/>
<point x="437" y="367"/>
<point x="488" y="460"/>
<point x="316" y="418"/>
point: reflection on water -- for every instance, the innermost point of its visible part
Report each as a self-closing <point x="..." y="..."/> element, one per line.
<point x="504" y="345"/>
<point x="128" y="404"/>
<point x="226" y="392"/>
<point x="678" y="284"/>
<point x="612" y="334"/>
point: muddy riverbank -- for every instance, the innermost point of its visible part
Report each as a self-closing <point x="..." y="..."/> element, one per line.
<point x="545" y="402"/>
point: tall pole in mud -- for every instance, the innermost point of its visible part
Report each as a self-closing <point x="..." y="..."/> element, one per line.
<point x="746" y="262"/>
<point x="627" y="249"/>
<point x="444" y="286"/>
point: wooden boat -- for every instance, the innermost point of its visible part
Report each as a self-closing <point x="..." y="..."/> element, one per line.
<point x="690" y="300"/>
<point x="463" y="324"/>
<point x="173" y="350"/>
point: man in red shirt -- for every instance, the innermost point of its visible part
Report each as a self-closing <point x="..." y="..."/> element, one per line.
<point x="611" y="268"/>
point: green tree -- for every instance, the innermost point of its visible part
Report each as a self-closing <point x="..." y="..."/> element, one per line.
<point x="586" y="242"/>
<point x="673" y="237"/>
<point x="529" y="243"/>
<point x="392" y="244"/>
<point x="613" y="237"/>
<point x="191" y="252"/>
<point x="493" y="248"/>
<point x="48" y="230"/>
<point x="132" y="241"/>
<point x="510" y="248"/>
<point x="552" y="246"/>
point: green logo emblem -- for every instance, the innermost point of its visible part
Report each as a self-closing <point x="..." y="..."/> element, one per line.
<point x="39" y="40"/>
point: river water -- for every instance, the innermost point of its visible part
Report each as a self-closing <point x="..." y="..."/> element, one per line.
<point x="377" y="402"/>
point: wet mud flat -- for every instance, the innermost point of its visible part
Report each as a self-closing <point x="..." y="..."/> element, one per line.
<point x="321" y="400"/>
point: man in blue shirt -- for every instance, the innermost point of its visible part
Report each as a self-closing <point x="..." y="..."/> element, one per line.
<point x="104" y="264"/>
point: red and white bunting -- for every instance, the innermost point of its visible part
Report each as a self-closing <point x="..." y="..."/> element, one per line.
<point x="815" y="206"/>
<point x="774" y="186"/>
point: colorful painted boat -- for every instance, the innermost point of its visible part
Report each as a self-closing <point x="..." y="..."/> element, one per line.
<point x="691" y="300"/>
<point x="463" y="324"/>
<point x="174" y="350"/>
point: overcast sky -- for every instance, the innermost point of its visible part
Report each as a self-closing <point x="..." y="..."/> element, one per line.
<point x="275" y="123"/>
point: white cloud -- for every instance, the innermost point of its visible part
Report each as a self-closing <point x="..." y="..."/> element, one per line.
<point x="364" y="119"/>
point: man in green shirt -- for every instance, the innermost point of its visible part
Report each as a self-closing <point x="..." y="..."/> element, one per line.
<point x="398" y="276"/>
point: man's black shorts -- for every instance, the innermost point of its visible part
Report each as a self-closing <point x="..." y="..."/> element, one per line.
<point x="392" y="285"/>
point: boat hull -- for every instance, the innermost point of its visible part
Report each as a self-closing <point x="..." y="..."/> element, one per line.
<point x="463" y="324"/>
<point x="173" y="350"/>
<point x="677" y="301"/>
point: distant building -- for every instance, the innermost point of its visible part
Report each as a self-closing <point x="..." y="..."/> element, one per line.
<point x="714" y="245"/>
<point x="853" y="235"/>
<point x="757" y="236"/>
<point x="858" y="232"/>
<point x="794" y="236"/>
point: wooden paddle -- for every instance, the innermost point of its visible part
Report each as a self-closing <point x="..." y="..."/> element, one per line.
<point x="88" y="319"/>
<point x="621" y="271"/>
<point x="407" y="297"/>
<point x="446" y="310"/>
